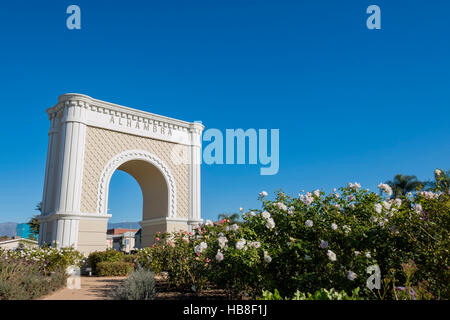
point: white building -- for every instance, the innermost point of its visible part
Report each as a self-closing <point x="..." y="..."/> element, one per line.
<point x="121" y="242"/>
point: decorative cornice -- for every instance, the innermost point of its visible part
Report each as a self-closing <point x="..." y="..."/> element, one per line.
<point x="80" y="100"/>
<point x="73" y="216"/>
<point x="158" y="221"/>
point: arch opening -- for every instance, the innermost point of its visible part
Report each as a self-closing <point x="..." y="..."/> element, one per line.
<point x="157" y="188"/>
<point x="155" y="197"/>
<point x="151" y="174"/>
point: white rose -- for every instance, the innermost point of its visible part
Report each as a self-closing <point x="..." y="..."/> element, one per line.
<point x="351" y="275"/>
<point x="234" y="227"/>
<point x="270" y="223"/>
<point x="266" y="215"/>
<point x="240" y="244"/>
<point x="386" y="188"/>
<point x="256" y="244"/>
<point x="355" y="186"/>
<point x="331" y="255"/>
<point x="418" y="208"/>
<point x="263" y="194"/>
<point x="199" y="248"/>
<point x="222" y="241"/>
<point x="281" y="206"/>
<point x="219" y="256"/>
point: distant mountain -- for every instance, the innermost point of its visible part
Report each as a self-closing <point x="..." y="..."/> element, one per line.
<point x="8" y="229"/>
<point x="124" y="225"/>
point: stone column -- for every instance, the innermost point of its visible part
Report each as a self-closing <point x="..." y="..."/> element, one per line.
<point x="68" y="183"/>
<point x="194" y="174"/>
<point x="47" y="205"/>
<point x="50" y="170"/>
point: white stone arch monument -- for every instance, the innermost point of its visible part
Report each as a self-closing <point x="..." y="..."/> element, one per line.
<point x="89" y="140"/>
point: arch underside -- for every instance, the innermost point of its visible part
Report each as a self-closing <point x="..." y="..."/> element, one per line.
<point x="153" y="186"/>
<point x="154" y="178"/>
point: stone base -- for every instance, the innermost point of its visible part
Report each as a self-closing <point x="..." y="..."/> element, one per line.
<point x="151" y="227"/>
<point x="85" y="232"/>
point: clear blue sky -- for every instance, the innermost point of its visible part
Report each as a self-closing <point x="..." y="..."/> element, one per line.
<point x="351" y="104"/>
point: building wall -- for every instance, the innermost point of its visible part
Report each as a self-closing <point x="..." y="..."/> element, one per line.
<point x="92" y="235"/>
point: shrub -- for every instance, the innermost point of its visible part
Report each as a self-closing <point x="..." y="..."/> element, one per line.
<point x="109" y="255"/>
<point x="322" y="294"/>
<point x="115" y="268"/>
<point x="23" y="280"/>
<point x="129" y="258"/>
<point x="317" y="240"/>
<point x="140" y="285"/>
<point x="63" y="258"/>
<point x="186" y="269"/>
<point x="51" y="259"/>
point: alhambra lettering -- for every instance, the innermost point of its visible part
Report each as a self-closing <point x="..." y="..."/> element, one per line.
<point x="144" y="126"/>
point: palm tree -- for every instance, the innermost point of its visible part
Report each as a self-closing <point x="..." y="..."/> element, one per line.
<point x="34" y="222"/>
<point x="402" y="184"/>
<point x="233" y="217"/>
<point x="39" y="207"/>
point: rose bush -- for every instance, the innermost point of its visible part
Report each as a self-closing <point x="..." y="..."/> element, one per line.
<point x="49" y="257"/>
<point x="316" y="240"/>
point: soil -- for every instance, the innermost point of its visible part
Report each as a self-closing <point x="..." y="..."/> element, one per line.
<point x="164" y="292"/>
<point x="91" y="288"/>
<point x="100" y="288"/>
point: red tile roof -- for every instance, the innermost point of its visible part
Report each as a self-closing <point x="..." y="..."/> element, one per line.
<point x="117" y="231"/>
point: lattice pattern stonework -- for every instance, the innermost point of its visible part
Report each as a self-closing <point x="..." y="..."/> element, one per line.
<point x="102" y="145"/>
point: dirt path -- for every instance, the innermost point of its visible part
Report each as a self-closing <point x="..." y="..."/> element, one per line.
<point x="100" y="288"/>
<point x="92" y="288"/>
